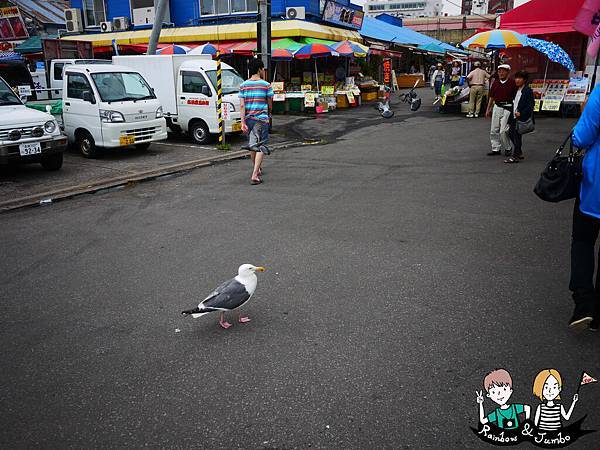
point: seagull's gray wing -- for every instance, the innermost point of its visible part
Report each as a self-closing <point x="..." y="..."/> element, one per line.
<point x="230" y="295"/>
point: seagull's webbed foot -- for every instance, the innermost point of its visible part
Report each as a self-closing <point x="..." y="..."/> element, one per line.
<point x="244" y="319"/>
<point x="224" y="325"/>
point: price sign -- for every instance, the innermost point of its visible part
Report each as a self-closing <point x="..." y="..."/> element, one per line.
<point x="225" y="109"/>
<point x="356" y="91"/>
<point x="328" y="90"/>
<point x="551" y="105"/>
<point x="280" y="97"/>
<point x="24" y="91"/>
<point x="350" y="97"/>
<point x="306" y="87"/>
<point x="537" y="105"/>
<point x="277" y="86"/>
<point x="309" y="99"/>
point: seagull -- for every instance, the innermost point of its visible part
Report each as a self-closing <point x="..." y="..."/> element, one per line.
<point x="229" y="296"/>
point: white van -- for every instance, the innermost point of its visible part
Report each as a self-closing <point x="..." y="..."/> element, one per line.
<point x="110" y="106"/>
<point x="186" y="87"/>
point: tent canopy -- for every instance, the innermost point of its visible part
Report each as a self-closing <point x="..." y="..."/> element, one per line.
<point x="32" y="45"/>
<point x="542" y="17"/>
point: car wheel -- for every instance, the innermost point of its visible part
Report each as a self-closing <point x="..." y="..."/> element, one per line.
<point x="144" y="146"/>
<point x="86" y="145"/>
<point x="200" y="133"/>
<point x="52" y="162"/>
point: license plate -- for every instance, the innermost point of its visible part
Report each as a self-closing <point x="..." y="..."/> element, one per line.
<point x="127" y="140"/>
<point x="30" y="149"/>
<point x="237" y="126"/>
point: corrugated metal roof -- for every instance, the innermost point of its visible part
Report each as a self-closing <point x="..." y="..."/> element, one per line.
<point x="46" y="11"/>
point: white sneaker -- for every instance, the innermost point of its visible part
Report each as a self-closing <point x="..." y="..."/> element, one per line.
<point x="476" y="115"/>
<point x="469" y="115"/>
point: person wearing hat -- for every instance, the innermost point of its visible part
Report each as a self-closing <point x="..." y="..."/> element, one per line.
<point x="500" y="109"/>
<point x="437" y="81"/>
<point x="477" y="79"/>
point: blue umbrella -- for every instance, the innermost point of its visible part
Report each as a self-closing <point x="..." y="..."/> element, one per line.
<point x="552" y="51"/>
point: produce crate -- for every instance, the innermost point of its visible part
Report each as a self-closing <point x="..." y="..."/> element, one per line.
<point x="369" y="96"/>
<point x="342" y="101"/>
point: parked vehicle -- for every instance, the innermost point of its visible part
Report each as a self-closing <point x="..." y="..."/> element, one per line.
<point x="105" y="105"/>
<point x="15" y="74"/>
<point x="27" y="135"/>
<point x="186" y="87"/>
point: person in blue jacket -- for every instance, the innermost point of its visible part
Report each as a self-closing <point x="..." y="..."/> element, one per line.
<point x="522" y="111"/>
<point x="586" y="220"/>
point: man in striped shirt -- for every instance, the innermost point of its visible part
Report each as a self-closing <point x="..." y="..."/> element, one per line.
<point x="256" y="101"/>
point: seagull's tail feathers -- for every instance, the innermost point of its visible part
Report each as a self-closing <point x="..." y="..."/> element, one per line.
<point x="198" y="312"/>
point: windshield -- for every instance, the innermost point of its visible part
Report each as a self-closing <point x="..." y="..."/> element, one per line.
<point x="122" y="86"/>
<point x="231" y="80"/>
<point x="7" y="96"/>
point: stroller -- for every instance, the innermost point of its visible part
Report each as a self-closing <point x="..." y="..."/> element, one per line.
<point x="412" y="98"/>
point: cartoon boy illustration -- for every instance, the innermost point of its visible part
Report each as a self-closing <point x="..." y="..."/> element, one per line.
<point x="547" y="386"/>
<point x="498" y="385"/>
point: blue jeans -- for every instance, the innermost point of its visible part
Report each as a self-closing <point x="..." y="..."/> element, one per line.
<point x="438" y="87"/>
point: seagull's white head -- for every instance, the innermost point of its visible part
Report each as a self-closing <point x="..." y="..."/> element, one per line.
<point x="246" y="270"/>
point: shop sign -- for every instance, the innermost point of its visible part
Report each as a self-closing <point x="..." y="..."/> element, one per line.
<point x="387" y="71"/>
<point x="328" y="90"/>
<point x="278" y="86"/>
<point x="279" y="97"/>
<point x="576" y="90"/>
<point x="306" y="87"/>
<point x="343" y="15"/>
<point x="11" y="24"/>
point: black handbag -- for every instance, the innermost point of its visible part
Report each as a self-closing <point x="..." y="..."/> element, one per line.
<point x="561" y="178"/>
<point x="524" y="127"/>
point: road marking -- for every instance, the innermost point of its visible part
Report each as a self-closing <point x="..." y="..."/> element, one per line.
<point x="169" y="144"/>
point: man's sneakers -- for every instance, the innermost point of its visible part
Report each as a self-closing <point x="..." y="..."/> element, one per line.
<point x="470" y="116"/>
<point x="585" y="312"/>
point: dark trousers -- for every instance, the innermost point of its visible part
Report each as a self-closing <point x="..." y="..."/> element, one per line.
<point x="583" y="256"/>
<point x="516" y="138"/>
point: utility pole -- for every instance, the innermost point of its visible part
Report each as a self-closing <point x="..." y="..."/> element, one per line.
<point x="263" y="34"/>
<point x="160" y="8"/>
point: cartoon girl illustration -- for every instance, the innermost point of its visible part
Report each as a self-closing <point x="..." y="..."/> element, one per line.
<point x="547" y="387"/>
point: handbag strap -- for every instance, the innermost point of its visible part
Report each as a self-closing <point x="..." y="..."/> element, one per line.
<point x="562" y="146"/>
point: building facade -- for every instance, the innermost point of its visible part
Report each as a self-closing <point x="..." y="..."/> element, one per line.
<point x="181" y="13"/>
<point x="488" y="6"/>
<point x="404" y="8"/>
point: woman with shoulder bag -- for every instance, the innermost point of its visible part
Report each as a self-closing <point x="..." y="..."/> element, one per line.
<point x="586" y="220"/>
<point x="522" y="121"/>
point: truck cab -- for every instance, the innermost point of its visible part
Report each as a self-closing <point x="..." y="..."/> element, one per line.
<point x="27" y="135"/>
<point x="57" y="68"/>
<point x="110" y="106"/>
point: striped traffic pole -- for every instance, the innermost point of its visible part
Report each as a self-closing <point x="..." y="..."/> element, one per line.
<point x="220" y="100"/>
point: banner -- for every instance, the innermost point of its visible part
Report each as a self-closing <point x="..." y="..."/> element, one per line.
<point x="11" y="24"/>
<point x="343" y="15"/>
<point x="594" y="46"/>
<point x="588" y="19"/>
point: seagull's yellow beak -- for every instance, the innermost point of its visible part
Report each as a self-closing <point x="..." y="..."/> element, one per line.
<point x="260" y="269"/>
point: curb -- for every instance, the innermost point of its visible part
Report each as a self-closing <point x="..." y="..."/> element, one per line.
<point x="69" y="192"/>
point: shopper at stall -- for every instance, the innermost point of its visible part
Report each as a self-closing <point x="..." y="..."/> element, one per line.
<point x="256" y="103"/>
<point x="437" y="81"/>
<point x="500" y="107"/>
<point x="522" y="112"/>
<point x="586" y="220"/>
<point x="455" y="73"/>
<point x="477" y="79"/>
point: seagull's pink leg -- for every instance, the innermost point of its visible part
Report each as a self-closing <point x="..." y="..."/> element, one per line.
<point x="222" y="322"/>
<point x="244" y="319"/>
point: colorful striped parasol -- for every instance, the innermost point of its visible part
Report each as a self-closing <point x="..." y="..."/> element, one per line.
<point x="173" y="49"/>
<point x="204" y="49"/>
<point x="313" y="51"/>
<point x="496" y="39"/>
<point x="350" y="48"/>
<point x="281" y="54"/>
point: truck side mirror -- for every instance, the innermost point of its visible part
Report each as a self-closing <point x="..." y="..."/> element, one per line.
<point x="88" y="97"/>
<point x="206" y="91"/>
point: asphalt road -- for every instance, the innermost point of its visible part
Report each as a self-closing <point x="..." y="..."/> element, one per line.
<point x="403" y="265"/>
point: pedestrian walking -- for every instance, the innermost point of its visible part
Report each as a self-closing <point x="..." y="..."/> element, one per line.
<point x="430" y="72"/>
<point x="437" y="81"/>
<point x="522" y="112"/>
<point x="586" y="220"/>
<point x="500" y="106"/>
<point x="455" y="73"/>
<point x="477" y="79"/>
<point x="256" y="103"/>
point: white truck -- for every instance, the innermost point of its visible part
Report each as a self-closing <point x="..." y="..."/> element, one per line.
<point x="27" y="135"/>
<point x="104" y="105"/>
<point x="56" y="70"/>
<point x="186" y="87"/>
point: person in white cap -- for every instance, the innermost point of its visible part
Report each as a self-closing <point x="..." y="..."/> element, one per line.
<point x="500" y="107"/>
